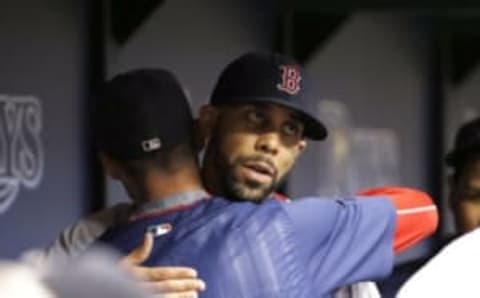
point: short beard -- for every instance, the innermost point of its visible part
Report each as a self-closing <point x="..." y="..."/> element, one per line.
<point x="226" y="184"/>
<point x="246" y="190"/>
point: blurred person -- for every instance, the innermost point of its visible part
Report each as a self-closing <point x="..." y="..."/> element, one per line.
<point x="464" y="182"/>
<point x="18" y="280"/>
<point x="451" y="273"/>
<point x="93" y="275"/>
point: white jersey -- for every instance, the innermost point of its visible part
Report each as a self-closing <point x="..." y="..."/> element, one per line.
<point x="451" y="273"/>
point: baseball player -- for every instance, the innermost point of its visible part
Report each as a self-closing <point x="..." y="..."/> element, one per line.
<point x="452" y="273"/>
<point x="464" y="159"/>
<point x="247" y="249"/>
<point x="280" y="82"/>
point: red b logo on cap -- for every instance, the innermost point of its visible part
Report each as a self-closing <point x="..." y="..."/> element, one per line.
<point x="290" y="79"/>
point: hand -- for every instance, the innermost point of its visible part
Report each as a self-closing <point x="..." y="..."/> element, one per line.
<point x="169" y="282"/>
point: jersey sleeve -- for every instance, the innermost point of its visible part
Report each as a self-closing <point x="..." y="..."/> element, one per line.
<point x="417" y="216"/>
<point x="344" y="241"/>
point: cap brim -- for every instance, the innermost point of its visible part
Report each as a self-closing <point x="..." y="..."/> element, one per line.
<point x="314" y="129"/>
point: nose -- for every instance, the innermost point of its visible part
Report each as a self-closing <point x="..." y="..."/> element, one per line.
<point x="268" y="142"/>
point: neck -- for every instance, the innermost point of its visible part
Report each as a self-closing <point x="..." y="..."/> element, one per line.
<point x="158" y="185"/>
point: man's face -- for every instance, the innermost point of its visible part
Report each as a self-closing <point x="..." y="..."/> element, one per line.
<point x="251" y="148"/>
<point x="465" y="197"/>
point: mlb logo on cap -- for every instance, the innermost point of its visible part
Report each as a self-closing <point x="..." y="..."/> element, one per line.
<point x="151" y="145"/>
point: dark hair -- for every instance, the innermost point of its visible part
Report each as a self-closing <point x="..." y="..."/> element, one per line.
<point x="466" y="148"/>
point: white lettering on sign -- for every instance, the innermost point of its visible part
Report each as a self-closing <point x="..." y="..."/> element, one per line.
<point x="21" y="149"/>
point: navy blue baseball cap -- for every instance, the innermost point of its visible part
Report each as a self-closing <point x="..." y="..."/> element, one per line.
<point x="142" y="111"/>
<point x="467" y="141"/>
<point x="271" y="78"/>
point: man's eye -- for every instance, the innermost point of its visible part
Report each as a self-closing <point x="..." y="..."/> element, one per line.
<point x="255" y="117"/>
<point x="292" y="129"/>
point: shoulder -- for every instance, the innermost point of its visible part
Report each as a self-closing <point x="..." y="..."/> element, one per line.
<point x="88" y="229"/>
<point x="77" y="237"/>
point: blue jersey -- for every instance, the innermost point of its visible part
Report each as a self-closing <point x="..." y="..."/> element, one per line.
<point x="304" y="249"/>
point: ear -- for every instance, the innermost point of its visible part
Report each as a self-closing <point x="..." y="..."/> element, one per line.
<point x="302" y="145"/>
<point x="111" y="166"/>
<point x="207" y="121"/>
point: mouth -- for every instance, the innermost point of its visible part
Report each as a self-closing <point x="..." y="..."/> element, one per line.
<point x="259" y="171"/>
